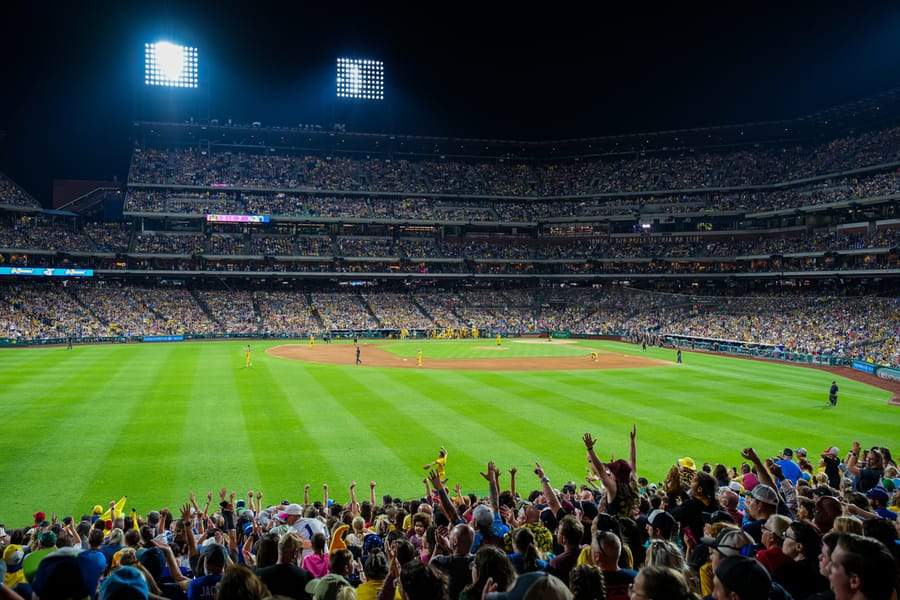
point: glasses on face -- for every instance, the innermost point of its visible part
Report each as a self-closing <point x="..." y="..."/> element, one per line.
<point x="788" y="536"/>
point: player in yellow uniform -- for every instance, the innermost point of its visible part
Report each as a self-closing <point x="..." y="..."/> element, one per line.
<point x="440" y="463"/>
<point x="247" y="362"/>
<point x="498" y="339"/>
<point x="312" y="340"/>
<point x="594" y="356"/>
<point x="419" y="358"/>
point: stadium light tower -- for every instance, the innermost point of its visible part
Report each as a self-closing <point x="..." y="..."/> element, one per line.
<point x="360" y="79"/>
<point x="170" y="65"/>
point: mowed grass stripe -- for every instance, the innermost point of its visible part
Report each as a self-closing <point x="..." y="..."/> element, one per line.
<point x="278" y="410"/>
<point x="144" y="440"/>
<point x="63" y="436"/>
<point x="282" y="422"/>
<point x="379" y="424"/>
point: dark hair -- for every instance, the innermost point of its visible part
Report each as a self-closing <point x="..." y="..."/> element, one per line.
<point x="267" y="550"/>
<point x="423" y="582"/>
<point x="239" y="582"/>
<point x="317" y="541"/>
<point x="571" y="530"/>
<point x="806" y="535"/>
<point x="586" y="583"/>
<point x="720" y="472"/>
<point x="491" y="562"/>
<point x="405" y="551"/>
<point x="869" y="560"/>
<point x="708" y="486"/>
<point x="524" y="541"/>
<point x="132" y="537"/>
<point x="340" y="560"/>
<point x="376" y="566"/>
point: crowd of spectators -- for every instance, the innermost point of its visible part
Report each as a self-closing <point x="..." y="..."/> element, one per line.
<point x="787" y="524"/>
<point x="34" y="239"/>
<point x="13" y="195"/>
<point x="516" y="178"/>
<point x="843" y="327"/>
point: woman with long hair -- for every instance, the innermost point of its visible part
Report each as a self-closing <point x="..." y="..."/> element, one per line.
<point x="658" y="581"/>
<point x="491" y="563"/>
<point x="525" y="557"/>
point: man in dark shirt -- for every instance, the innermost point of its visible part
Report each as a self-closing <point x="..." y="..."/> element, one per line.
<point x="285" y="578"/>
<point x="569" y="536"/>
<point x="457" y="564"/>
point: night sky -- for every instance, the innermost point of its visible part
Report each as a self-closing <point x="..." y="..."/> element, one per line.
<point x="71" y="73"/>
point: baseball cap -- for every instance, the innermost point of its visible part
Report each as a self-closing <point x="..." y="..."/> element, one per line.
<point x="659" y="519"/>
<point x="801" y="451"/>
<point x="731" y="542"/>
<point x="718" y="516"/>
<point x="47" y="539"/>
<point x="291" y="509"/>
<point x="765" y="494"/>
<point x="745" y="575"/>
<point x="832" y="450"/>
<point x="787" y="452"/>
<point x="483" y="515"/>
<point x="877" y="493"/>
<point x="327" y="587"/>
<point x="216" y="555"/>
<point x="124" y="579"/>
<point x="67" y="573"/>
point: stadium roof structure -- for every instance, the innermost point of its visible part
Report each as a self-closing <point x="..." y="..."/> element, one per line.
<point x="879" y="110"/>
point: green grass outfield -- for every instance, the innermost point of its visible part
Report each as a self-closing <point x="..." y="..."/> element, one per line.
<point x="155" y="421"/>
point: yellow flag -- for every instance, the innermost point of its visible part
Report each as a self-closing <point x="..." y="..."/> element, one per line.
<point x="120" y="507"/>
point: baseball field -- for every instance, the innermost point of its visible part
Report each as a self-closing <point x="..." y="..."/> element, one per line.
<point x="157" y="421"/>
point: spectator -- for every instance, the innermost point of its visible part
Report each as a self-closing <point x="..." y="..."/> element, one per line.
<point x="861" y="568"/>
<point x="285" y="577"/>
<point x="741" y="578"/>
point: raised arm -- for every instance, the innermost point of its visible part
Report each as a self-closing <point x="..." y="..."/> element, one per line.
<point x="209" y="497"/>
<point x="354" y="505"/>
<point x="853" y="461"/>
<point x="172" y="563"/>
<point x="762" y="472"/>
<point x="372" y="494"/>
<point x="608" y="482"/>
<point x="325" y="495"/>
<point x="552" y="500"/>
<point x="446" y="504"/>
<point x="632" y="456"/>
<point x="189" y="530"/>
<point x="306" y="494"/>
<point x="512" y="481"/>
<point x="493" y="485"/>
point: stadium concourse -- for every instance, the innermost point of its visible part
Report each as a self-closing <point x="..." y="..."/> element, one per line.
<point x="771" y="245"/>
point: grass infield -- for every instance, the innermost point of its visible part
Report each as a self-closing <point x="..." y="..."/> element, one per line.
<point x="156" y="421"/>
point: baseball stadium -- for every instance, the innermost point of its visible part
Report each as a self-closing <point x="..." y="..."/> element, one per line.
<point x="308" y="315"/>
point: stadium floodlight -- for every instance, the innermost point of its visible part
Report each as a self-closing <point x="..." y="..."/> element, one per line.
<point x="360" y="79"/>
<point x="170" y="65"/>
